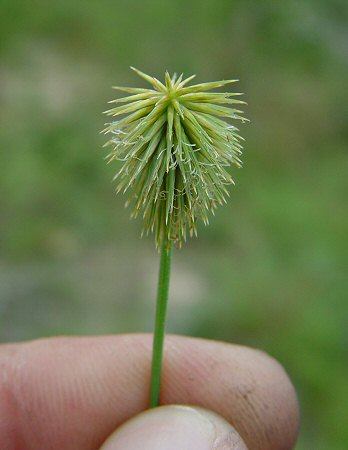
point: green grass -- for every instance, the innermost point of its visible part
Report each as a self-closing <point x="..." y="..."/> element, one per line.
<point x="270" y="270"/>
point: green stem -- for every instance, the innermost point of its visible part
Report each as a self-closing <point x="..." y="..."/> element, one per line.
<point x="161" y="310"/>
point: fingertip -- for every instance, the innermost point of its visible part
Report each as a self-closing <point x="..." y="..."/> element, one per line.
<point x="246" y="386"/>
<point x="175" y="427"/>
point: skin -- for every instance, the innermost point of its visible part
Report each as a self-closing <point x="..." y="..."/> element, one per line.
<point x="73" y="392"/>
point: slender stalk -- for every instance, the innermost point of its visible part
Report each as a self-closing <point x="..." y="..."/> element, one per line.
<point x="161" y="311"/>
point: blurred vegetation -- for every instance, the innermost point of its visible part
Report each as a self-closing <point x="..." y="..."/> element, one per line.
<point x="270" y="271"/>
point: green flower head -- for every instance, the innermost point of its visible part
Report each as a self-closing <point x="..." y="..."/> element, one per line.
<point x="175" y="145"/>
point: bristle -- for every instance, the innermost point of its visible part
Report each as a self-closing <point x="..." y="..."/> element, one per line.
<point x="174" y="144"/>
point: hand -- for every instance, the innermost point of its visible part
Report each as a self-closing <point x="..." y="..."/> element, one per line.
<point x="74" y="393"/>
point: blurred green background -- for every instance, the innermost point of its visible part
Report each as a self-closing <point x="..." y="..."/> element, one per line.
<point x="271" y="269"/>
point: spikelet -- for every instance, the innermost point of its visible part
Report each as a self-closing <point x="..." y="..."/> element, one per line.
<point x="175" y="145"/>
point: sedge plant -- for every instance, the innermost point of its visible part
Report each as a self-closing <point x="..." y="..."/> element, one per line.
<point x="175" y="142"/>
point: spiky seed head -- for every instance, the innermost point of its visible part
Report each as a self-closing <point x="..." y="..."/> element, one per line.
<point x="175" y="145"/>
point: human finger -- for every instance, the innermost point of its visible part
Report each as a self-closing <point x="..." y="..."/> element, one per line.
<point x="175" y="427"/>
<point x="72" y="393"/>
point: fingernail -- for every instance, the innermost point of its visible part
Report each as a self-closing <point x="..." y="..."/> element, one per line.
<point x="175" y="427"/>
